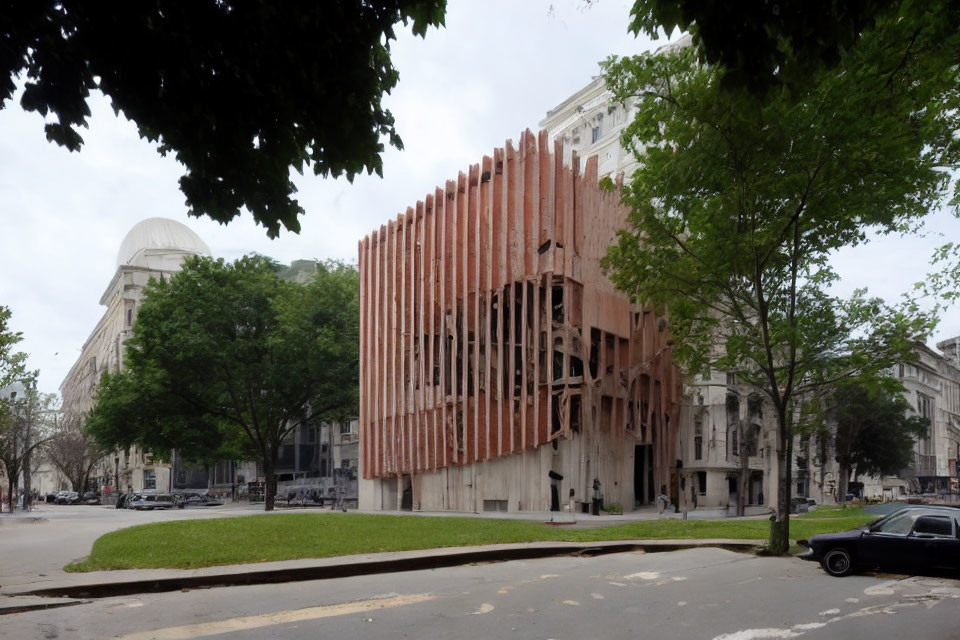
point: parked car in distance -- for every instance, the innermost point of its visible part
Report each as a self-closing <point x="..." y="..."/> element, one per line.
<point x="123" y="499"/>
<point x="51" y="497"/>
<point x="68" y="497"/>
<point x="195" y="499"/>
<point x="91" y="497"/>
<point x="151" y="501"/>
<point x="920" y="540"/>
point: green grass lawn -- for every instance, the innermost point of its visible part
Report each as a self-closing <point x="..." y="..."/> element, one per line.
<point x="203" y="543"/>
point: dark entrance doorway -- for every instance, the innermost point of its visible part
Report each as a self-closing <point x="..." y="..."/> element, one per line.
<point x="555" y="479"/>
<point x="643" y="489"/>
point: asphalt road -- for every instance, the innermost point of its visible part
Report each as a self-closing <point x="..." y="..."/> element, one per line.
<point x="702" y="593"/>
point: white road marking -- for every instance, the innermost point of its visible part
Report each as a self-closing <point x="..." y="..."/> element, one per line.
<point x="596" y="596"/>
<point x="882" y="589"/>
<point x="246" y="623"/>
<point x="644" y="575"/>
<point x="572" y="603"/>
<point x="484" y="608"/>
<point x="929" y="600"/>
<point x="759" y="634"/>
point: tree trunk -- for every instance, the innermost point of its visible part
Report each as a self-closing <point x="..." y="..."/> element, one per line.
<point x="843" y="481"/>
<point x="269" y="485"/>
<point x="12" y="492"/>
<point x="26" y="479"/>
<point x="780" y="525"/>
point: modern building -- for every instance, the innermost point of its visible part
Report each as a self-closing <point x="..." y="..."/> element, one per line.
<point x="500" y="368"/>
<point x="713" y="409"/>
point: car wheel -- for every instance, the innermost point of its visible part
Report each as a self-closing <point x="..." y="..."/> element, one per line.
<point x="837" y="562"/>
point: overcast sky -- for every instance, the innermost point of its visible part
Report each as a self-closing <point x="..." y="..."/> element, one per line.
<point x="494" y="70"/>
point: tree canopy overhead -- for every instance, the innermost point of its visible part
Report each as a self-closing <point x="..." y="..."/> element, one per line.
<point x="227" y="358"/>
<point x="239" y="91"/>
<point x="760" y="43"/>
<point x="739" y="202"/>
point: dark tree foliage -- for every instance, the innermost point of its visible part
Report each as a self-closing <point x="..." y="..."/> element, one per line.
<point x="874" y="433"/>
<point x="763" y="42"/>
<point x="241" y="91"/>
<point x="227" y="359"/>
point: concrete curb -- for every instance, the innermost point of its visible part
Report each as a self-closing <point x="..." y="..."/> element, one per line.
<point x="22" y="604"/>
<point x="368" y="565"/>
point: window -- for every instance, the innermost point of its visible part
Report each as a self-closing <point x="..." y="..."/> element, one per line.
<point x="939" y="526"/>
<point x="731" y="379"/>
<point x="801" y="488"/>
<point x="149" y="479"/>
<point x="702" y="482"/>
<point x="900" y="525"/>
<point x="594" y="134"/>
<point x="698" y="440"/>
<point x="925" y="409"/>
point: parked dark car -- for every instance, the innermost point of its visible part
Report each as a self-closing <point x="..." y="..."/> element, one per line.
<point x="151" y="501"/>
<point x="920" y="540"/>
<point x="198" y="500"/>
<point x="51" y="497"/>
<point x="68" y="497"/>
<point x="91" y="497"/>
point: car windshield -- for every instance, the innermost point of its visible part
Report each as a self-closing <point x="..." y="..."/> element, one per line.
<point x="899" y="524"/>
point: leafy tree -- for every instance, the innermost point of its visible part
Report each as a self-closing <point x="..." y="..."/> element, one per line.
<point x="762" y="44"/>
<point x="12" y="363"/>
<point x="739" y="202"/>
<point x="240" y="92"/>
<point x="874" y="433"/>
<point x="23" y="421"/>
<point x="70" y="450"/>
<point x="230" y="358"/>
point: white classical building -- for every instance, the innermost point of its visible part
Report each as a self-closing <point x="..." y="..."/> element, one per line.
<point x="153" y="248"/>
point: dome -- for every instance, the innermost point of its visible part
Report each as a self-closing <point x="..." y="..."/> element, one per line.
<point x="160" y="243"/>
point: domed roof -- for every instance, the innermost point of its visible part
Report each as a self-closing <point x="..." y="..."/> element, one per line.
<point x="158" y="238"/>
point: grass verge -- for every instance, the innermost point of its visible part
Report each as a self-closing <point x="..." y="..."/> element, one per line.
<point x="190" y="544"/>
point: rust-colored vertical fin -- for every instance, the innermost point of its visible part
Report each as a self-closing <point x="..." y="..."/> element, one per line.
<point x="450" y="313"/>
<point x="391" y="340"/>
<point x="381" y="316"/>
<point x="419" y="288"/>
<point x="475" y="287"/>
<point x="403" y="342"/>
<point x="577" y="212"/>
<point x="501" y="191"/>
<point x="430" y="258"/>
<point x="486" y="266"/>
<point x="513" y="266"/>
<point x="443" y="236"/>
<point x="363" y="270"/>
<point x="559" y="239"/>
<point x="464" y="316"/>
